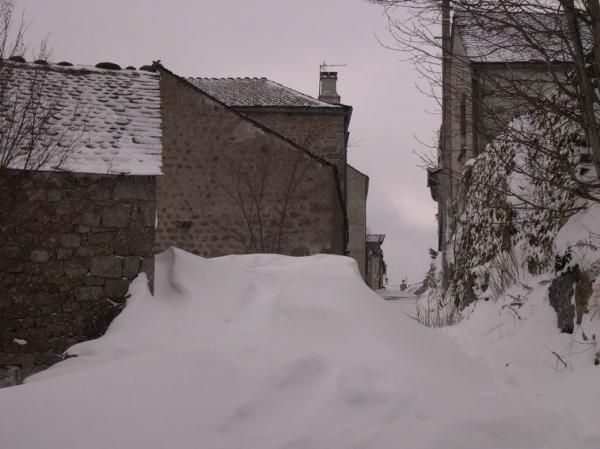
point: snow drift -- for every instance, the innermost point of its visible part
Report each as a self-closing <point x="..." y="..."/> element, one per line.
<point x="268" y="351"/>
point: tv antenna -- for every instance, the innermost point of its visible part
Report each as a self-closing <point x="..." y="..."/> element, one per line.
<point x="324" y="66"/>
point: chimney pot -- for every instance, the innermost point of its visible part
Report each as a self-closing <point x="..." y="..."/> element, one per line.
<point x="327" y="88"/>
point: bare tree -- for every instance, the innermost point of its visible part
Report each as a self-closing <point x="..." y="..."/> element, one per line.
<point x="518" y="57"/>
<point x="33" y="134"/>
<point x="562" y="37"/>
<point x="265" y="189"/>
<point x="29" y="136"/>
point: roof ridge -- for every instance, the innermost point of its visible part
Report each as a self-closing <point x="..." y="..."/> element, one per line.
<point x="260" y="92"/>
<point x="262" y="78"/>
<point x="70" y="67"/>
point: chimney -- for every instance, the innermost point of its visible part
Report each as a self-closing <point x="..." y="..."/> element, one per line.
<point x="327" y="90"/>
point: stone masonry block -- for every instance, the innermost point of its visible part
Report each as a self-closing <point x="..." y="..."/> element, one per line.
<point x="89" y="293"/>
<point x="107" y="266"/>
<point x="116" y="217"/>
<point x="90" y="218"/>
<point x="10" y="376"/>
<point x="86" y="252"/>
<point x="39" y="255"/>
<point x="116" y="288"/>
<point x="75" y="269"/>
<point x="62" y="254"/>
<point x="70" y="241"/>
<point x="99" y="238"/>
<point x="54" y="195"/>
<point x="131" y="267"/>
<point x="129" y="189"/>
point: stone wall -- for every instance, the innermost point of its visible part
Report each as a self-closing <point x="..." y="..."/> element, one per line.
<point x="70" y="244"/>
<point x="375" y="269"/>
<point x="322" y="131"/>
<point x="231" y="186"/>
<point x="357" y="217"/>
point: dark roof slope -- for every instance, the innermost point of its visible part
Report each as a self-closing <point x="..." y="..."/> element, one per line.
<point x="248" y="92"/>
<point x="111" y="118"/>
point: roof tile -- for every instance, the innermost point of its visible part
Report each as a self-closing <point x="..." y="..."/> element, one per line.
<point x="240" y="92"/>
<point x="111" y="118"/>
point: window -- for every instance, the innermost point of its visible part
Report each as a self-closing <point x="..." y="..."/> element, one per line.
<point x="463" y="119"/>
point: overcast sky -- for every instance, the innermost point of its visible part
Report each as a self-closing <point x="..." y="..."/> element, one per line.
<point x="284" y="40"/>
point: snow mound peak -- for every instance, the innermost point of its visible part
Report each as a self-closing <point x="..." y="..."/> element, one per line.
<point x="266" y="351"/>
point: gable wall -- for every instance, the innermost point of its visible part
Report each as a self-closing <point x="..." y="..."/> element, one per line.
<point x="324" y="134"/>
<point x="214" y="163"/>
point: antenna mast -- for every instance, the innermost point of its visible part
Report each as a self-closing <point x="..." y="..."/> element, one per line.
<point x="324" y="66"/>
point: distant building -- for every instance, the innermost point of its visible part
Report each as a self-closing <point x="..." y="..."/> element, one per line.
<point x="321" y="126"/>
<point x="233" y="185"/>
<point x="376" y="275"/>
<point x="480" y="98"/>
<point x="358" y="189"/>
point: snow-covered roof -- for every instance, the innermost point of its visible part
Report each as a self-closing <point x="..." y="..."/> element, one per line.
<point x="499" y="37"/>
<point x="110" y="118"/>
<point x="256" y="92"/>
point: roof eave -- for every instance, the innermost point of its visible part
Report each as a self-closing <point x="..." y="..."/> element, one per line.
<point x="479" y="63"/>
<point x="337" y="109"/>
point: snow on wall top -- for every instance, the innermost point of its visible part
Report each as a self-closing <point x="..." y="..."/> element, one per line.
<point x="375" y="238"/>
<point x="256" y="92"/>
<point x="110" y="119"/>
<point x="497" y="37"/>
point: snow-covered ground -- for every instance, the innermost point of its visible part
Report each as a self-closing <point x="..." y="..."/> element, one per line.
<point x="406" y="300"/>
<point x="518" y="336"/>
<point x="269" y="351"/>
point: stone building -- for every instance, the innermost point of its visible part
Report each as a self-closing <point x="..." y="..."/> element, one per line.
<point x="234" y="185"/>
<point x="74" y="232"/>
<point x="154" y="161"/>
<point x="376" y="275"/>
<point x="358" y="189"/>
<point x="321" y="125"/>
<point x="493" y="76"/>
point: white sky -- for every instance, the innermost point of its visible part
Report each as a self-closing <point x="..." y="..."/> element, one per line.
<point x="284" y="40"/>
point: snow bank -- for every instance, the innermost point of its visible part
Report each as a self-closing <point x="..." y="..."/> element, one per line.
<point x="517" y="335"/>
<point x="268" y="351"/>
<point x="580" y="237"/>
